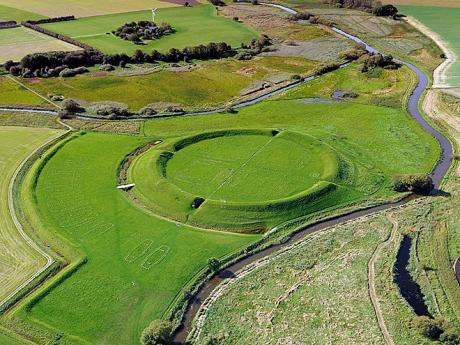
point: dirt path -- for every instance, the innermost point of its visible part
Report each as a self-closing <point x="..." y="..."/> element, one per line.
<point x="371" y="281"/>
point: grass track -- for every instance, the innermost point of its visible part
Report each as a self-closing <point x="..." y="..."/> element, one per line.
<point x="193" y="25"/>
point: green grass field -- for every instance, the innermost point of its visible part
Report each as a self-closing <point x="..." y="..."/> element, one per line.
<point x="137" y="263"/>
<point x="13" y="93"/>
<point x="210" y="85"/>
<point x="82" y="8"/>
<point x="193" y="25"/>
<point x="15" y="43"/>
<point x="444" y="21"/>
<point x="18" y="261"/>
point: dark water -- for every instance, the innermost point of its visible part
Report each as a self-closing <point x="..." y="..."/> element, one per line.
<point x="408" y="288"/>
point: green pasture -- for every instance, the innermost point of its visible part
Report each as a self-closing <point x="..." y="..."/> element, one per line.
<point x="13" y="93"/>
<point x="137" y="263"/>
<point x="194" y="25"/>
<point x="209" y="85"/>
<point x="11" y="13"/>
<point x="445" y="22"/>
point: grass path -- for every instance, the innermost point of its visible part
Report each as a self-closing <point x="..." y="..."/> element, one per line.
<point x="371" y="281"/>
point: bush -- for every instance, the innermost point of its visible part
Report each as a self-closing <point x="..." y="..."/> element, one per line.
<point x="159" y="332"/>
<point x="214" y="264"/>
<point x="354" y="53"/>
<point x="420" y="184"/>
<point x="385" y="11"/>
<point x="72" y="72"/>
<point x="427" y="327"/>
<point x="106" y="67"/>
<point x="450" y="336"/>
<point x="147" y="111"/>
<point x="71" y="107"/>
<point x="320" y="70"/>
<point x="300" y="16"/>
<point x="236" y="19"/>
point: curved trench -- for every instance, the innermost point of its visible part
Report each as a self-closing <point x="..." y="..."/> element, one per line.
<point x="439" y="171"/>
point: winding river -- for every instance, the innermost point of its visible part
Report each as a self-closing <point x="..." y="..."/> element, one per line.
<point x="439" y="171"/>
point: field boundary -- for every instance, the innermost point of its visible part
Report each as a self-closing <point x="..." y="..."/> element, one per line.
<point x="17" y="224"/>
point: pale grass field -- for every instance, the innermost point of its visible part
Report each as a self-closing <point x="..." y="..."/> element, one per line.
<point x="441" y="3"/>
<point x="83" y="8"/>
<point x="18" y="261"/>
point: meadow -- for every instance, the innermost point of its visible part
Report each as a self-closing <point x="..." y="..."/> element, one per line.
<point x="82" y="8"/>
<point x="15" y="94"/>
<point x="444" y="21"/>
<point x="304" y="293"/>
<point x="194" y="25"/>
<point x="208" y="85"/>
<point x="18" y="261"/>
<point x="15" y="43"/>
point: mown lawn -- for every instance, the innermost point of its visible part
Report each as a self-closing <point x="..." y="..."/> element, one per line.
<point x="194" y="25"/>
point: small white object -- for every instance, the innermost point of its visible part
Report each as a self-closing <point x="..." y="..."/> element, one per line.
<point x="154" y="11"/>
<point x="126" y="186"/>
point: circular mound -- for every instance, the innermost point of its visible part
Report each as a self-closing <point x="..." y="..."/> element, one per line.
<point x="234" y="178"/>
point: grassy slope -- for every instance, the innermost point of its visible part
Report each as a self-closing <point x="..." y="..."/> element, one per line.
<point x="17" y="260"/>
<point x="193" y="25"/>
<point x="210" y="85"/>
<point x="13" y="93"/>
<point x="10" y="13"/>
<point x="88" y="211"/>
<point x="444" y="21"/>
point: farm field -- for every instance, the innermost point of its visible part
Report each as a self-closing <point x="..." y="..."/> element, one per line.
<point x="15" y="43"/>
<point x="193" y="25"/>
<point x="440" y="3"/>
<point x="10" y="13"/>
<point x="444" y="22"/>
<point x="83" y="8"/>
<point x="18" y="261"/>
<point x="207" y="85"/>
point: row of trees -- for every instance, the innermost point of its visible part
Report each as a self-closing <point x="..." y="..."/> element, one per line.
<point x="51" y="64"/>
<point x="373" y="6"/>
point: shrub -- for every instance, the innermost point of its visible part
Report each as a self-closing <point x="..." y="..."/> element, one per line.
<point x="147" y="111"/>
<point x="427" y="327"/>
<point x="354" y="53"/>
<point x="72" y="72"/>
<point x="8" y="64"/>
<point x="71" y="107"/>
<point x="450" y="336"/>
<point x="385" y="11"/>
<point x="300" y="16"/>
<point x="296" y="77"/>
<point x="214" y="264"/>
<point x="320" y="70"/>
<point x="159" y="332"/>
<point x="106" y="67"/>
<point x="217" y="2"/>
<point x="236" y="19"/>
<point x="418" y="183"/>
